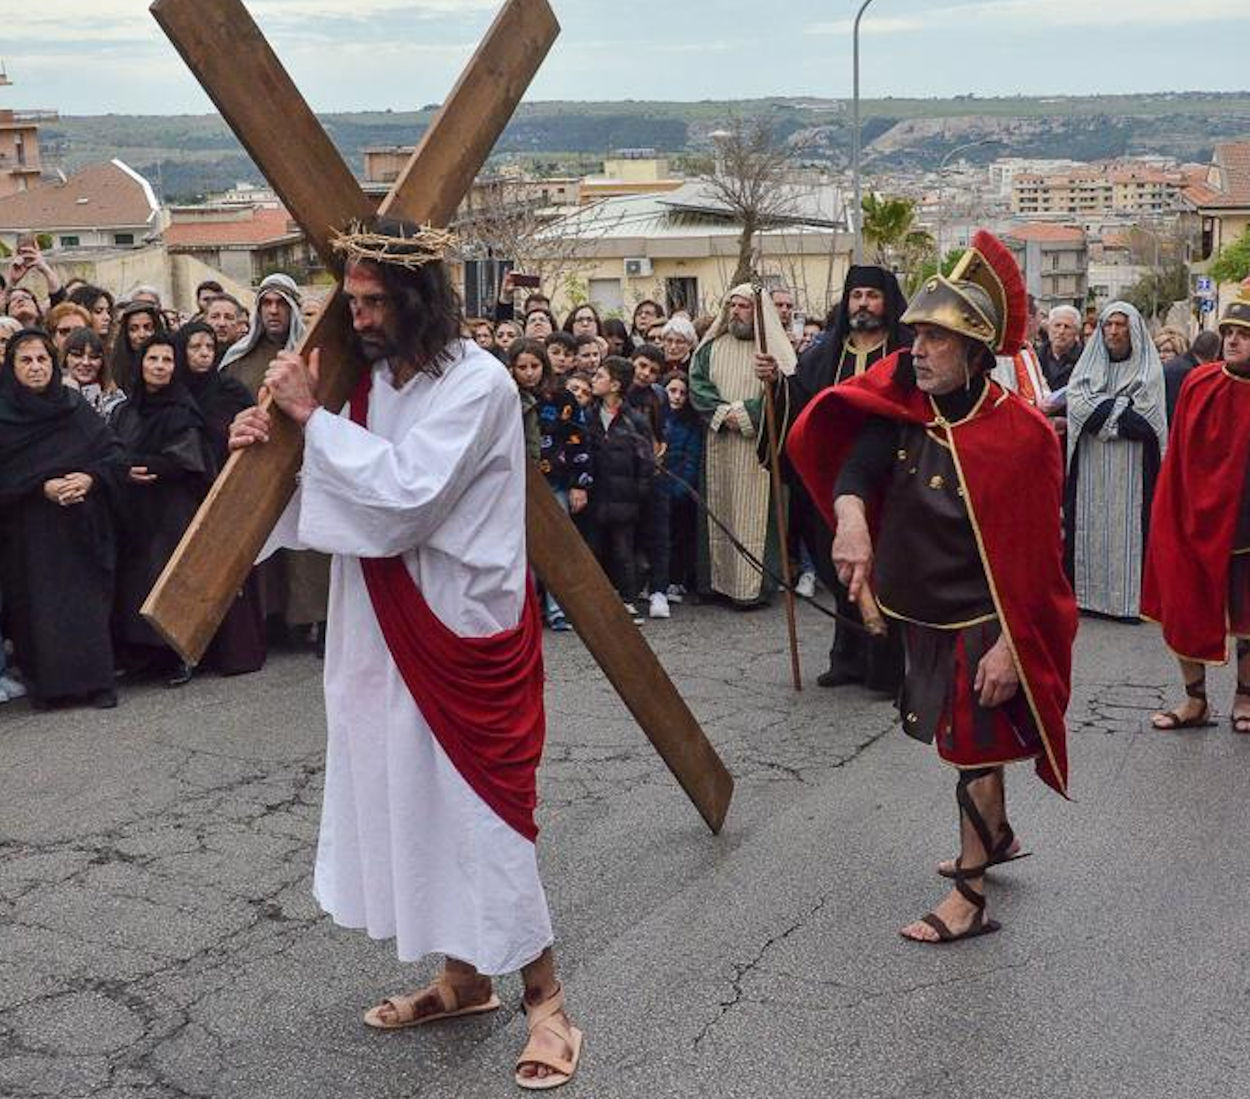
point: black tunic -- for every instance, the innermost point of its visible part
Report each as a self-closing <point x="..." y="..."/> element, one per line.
<point x="166" y="433"/>
<point x="57" y="562"/>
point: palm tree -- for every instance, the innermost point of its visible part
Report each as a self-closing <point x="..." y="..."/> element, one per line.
<point x="890" y="228"/>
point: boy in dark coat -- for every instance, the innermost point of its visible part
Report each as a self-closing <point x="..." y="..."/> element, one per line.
<point x="622" y="453"/>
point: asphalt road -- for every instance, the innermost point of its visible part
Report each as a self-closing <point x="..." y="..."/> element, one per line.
<point x="158" y="939"/>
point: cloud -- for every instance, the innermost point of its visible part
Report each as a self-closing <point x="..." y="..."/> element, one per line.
<point x="1028" y="15"/>
<point x="869" y="25"/>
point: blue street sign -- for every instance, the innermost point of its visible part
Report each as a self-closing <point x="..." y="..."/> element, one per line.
<point x="1205" y="284"/>
<point x="1206" y="305"/>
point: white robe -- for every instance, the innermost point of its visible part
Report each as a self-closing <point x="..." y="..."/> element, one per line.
<point x="407" y="849"/>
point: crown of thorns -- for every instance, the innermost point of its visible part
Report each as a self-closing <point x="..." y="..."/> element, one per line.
<point x="426" y="245"/>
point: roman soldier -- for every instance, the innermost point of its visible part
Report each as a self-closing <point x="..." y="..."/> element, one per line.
<point x="918" y="466"/>
<point x="1197" y="575"/>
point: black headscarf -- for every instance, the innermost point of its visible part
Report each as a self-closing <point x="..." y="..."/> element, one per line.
<point x="220" y="397"/>
<point x="124" y="363"/>
<point x="874" y="278"/>
<point x="49" y="434"/>
<point x="149" y="421"/>
<point x="818" y="365"/>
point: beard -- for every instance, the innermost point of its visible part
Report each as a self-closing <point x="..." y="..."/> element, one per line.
<point x="742" y="330"/>
<point x="865" y="320"/>
<point x="375" y="345"/>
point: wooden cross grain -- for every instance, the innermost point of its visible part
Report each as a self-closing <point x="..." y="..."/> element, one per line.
<point x="231" y="59"/>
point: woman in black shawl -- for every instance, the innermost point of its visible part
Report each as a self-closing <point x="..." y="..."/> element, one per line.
<point x="171" y="467"/>
<point x="239" y="645"/>
<point x="138" y="323"/>
<point x="62" y="474"/>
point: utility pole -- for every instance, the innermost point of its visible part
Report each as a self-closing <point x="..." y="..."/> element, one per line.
<point x="858" y="213"/>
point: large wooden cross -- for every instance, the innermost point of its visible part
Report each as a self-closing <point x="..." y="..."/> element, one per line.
<point x="229" y="56"/>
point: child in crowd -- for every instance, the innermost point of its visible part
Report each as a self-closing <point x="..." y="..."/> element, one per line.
<point x="527" y="371"/>
<point x="622" y="454"/>
<point x="563" y="455"/>
<point x="562" y="352"/>
<point x="505" y="333"/>
<point x="683" y="458"/>
<point x="649" y="400"/>
<point x="578" y="384"/>
<point x="589" y="353"/>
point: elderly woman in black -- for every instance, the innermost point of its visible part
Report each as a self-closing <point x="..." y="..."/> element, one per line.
<point x="171" y="466"/>
<point x="62" y="472"/>
<point x="239" y="645"/>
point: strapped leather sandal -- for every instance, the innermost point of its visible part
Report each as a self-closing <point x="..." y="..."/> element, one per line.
<point x="962" y="875"/>
<point x="1240" y="722"/>
<point x="1167" y="721"/>
<point x="403" y="1009"/>
<point x="998" y="853"/>
<point x="546" y="1016"/>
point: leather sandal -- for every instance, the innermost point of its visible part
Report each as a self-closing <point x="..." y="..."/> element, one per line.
<point x="1241" y="722"/>
<point x="403" y="1011"/>
<point x="998" y="855"/>
<point x="962" y="875"/>
<point x="546" y="1016"/>
<point x="1167" y="721"/>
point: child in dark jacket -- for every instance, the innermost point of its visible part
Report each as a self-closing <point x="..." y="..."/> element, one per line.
<point x="563" y="455"/>
<point x="622" y="453"/>
<point x="683" y="458"/>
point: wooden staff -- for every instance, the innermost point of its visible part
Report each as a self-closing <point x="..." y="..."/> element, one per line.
<point x="779" y="503"/>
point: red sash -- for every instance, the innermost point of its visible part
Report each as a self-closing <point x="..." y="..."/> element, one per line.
<point x="482" y="697"/>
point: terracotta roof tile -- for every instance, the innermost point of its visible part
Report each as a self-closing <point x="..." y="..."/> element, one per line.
<point x="100" y="196"/>
<point x="1043" y="231"/>
<point x="255" y="225"/>
<point x="1231" y="177"/>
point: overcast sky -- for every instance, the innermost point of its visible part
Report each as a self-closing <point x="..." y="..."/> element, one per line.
<point x="96" y="56"/>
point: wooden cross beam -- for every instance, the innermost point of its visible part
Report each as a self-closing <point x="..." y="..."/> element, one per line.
<point x="229" y="56"/>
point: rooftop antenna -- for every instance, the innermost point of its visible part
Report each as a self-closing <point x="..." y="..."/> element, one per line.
<point x="4" y="76"/>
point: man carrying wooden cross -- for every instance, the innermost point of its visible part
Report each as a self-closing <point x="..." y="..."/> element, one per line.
<point x="434" y="673"/>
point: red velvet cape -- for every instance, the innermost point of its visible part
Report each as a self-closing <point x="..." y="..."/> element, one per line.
<point x="481" y="696"/>
<point x="1193" y="520"/>
<point x="1011" y="472"/>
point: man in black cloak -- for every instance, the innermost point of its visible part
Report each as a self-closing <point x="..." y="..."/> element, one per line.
<point x="863" y="328"/>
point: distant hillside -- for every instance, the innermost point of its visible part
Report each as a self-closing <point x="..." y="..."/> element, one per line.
<point x="188" y="155"/>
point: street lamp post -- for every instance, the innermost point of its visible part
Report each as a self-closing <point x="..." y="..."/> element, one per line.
<point x="941" y="204"/>
<point x="858" y="213"/>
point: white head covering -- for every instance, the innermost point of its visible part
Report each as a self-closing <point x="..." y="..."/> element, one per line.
<point x="280" y="284"/>
<point x="1137" y="382"/>
<point x="777" y="339"/>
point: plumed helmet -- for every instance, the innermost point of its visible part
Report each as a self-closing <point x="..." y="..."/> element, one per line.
<point x="984" y="298"/>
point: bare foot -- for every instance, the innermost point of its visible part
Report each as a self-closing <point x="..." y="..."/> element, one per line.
<point x="955" y="911"/>
<point x="1192" y="709"/>
<point x="427" y="1001"/>
<point x="947" y="866"/>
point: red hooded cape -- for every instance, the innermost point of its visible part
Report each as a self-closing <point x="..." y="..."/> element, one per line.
<point x="1011" y="472"/>
<point x="1193" y="520"/>
<point x="482" y="697"/>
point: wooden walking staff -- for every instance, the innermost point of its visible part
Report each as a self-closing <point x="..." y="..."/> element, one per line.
<point x="228" y="55"/>
<point x="779" y="501"/>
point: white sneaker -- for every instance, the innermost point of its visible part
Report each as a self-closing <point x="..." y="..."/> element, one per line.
<point x="10" y="689"/>
<point x="676" y="593"/>
<point x="806" y="587"/>
<point x="659" y="605"/>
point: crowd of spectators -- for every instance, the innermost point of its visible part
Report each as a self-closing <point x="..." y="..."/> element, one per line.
<point x="114" y="414"/>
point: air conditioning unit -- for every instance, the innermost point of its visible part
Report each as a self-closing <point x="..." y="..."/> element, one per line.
<point x="639" y="267"/>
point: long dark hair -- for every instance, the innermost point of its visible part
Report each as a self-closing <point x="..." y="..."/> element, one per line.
<point x="428" y="313"/>
<point x="527" y="345"/>
<point x="82" y="341"/>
